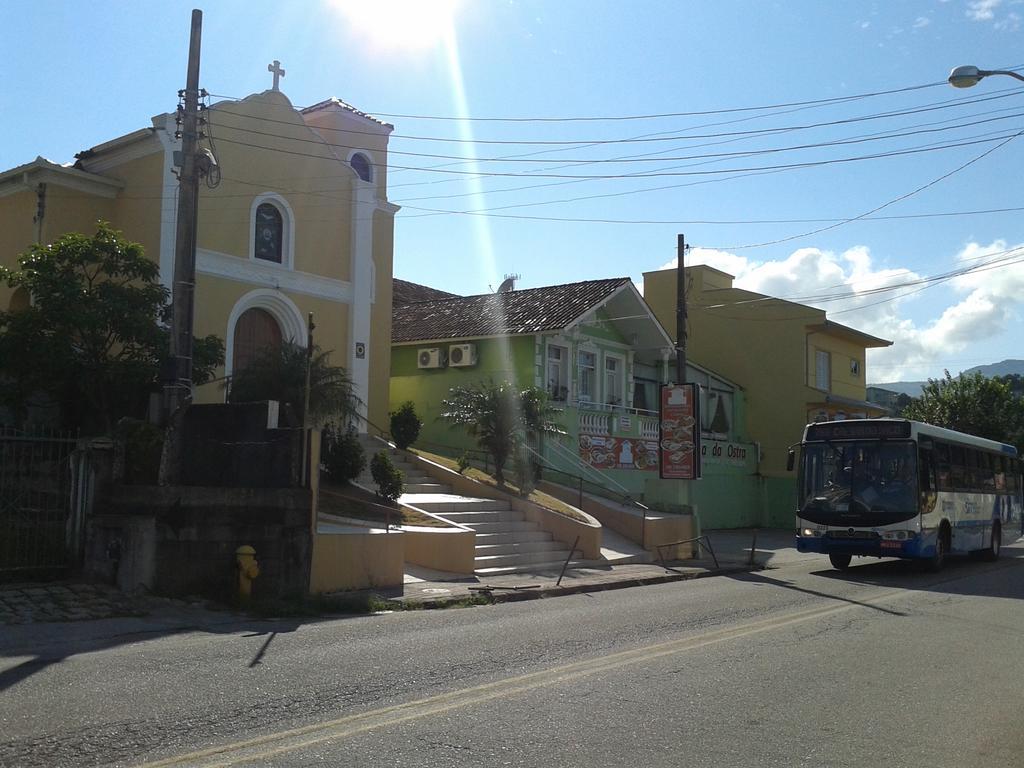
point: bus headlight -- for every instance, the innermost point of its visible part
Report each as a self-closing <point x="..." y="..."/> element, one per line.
<point x="811" y="532"/>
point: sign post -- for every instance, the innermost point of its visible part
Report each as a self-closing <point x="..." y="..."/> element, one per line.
<point x="679" y="432"/>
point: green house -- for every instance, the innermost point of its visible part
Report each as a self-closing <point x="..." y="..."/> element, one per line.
<point x="601" y="355"/>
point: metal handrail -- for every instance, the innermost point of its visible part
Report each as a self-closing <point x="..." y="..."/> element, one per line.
<point x="702" y="538"/>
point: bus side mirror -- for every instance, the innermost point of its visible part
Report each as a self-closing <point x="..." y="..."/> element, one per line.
<point x="790" y="460"/>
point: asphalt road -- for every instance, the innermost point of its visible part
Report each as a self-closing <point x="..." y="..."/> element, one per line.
<point x="796" y="666"/>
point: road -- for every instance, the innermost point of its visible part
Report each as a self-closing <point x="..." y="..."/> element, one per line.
<point x="796" y="666"/>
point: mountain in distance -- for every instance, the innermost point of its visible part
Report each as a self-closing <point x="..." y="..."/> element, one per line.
<point x="1005" y="368"/>
<point x="914" y="388"/>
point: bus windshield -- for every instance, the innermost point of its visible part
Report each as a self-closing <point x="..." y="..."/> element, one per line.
<point x="864" y="483"/>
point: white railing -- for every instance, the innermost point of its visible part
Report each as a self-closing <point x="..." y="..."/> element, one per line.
<point x="594" y="423"/>
<point x="649" y="427"/>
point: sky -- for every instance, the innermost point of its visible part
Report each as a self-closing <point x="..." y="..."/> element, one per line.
<point x="814" y="150"/>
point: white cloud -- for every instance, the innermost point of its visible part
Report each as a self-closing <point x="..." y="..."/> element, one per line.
<point x="982" y="10"/>
<point x="921" y="22"/>
<point x="848" y="286"/>
<point x="1010" y="24"/>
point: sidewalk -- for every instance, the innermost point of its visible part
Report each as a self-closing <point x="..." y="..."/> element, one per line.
<point x="774" y="548"/>
<point x="65" y="602"/>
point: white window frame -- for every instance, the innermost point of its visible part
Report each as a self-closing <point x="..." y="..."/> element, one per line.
<point x="614" y="382"/>
<point x="287" y="235"/>
<point x="823" y="370"/>
<point x="559" y="365"/>
<point x="590" y="396"/>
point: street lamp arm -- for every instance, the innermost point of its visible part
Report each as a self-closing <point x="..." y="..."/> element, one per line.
<point x="1004" y="72"/>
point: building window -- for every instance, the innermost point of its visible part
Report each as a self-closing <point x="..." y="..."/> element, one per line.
<point x="613" y="380"/>
<point x="558" y="373"/>
<point x="256" y="333"/>
<point x="588" y="375"/>
<point x="854" y="367"/>
<point x="269" y="235"/>
<point x="822" y="370"/>
<point x="361" y="165"/>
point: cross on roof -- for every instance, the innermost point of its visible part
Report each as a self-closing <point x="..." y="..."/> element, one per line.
<point x="278" y="73"/>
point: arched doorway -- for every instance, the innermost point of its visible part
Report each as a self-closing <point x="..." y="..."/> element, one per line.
<point x="256" y="332"/>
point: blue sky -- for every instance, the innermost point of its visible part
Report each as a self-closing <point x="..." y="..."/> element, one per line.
<point x="812" y="148"/>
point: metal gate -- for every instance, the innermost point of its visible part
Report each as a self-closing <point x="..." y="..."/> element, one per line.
<point x="42" y="504"/>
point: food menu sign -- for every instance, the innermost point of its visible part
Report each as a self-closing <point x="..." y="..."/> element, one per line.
<point x="679" y="441"/>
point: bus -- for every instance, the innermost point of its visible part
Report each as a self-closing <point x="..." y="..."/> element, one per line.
<point x="900" y="488"/>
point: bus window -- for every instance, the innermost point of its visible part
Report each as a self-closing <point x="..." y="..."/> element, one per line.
<point x="986" y="472"/>
<point x="957" y="467"/>
<point x="942" y="466"/>
<point x="999" y="473"/>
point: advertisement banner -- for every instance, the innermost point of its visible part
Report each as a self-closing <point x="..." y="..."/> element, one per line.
<point x="679" y="442"/>
<point x="603" y="452"/>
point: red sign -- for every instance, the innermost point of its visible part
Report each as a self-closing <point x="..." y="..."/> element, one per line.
<point x="679" y="442"/>
<point x="603" y="452"/>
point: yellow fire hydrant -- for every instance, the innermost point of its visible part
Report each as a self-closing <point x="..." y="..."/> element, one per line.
<point x="248" y="569"/>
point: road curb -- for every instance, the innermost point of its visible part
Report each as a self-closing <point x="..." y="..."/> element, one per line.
<point x="499" y="595"/>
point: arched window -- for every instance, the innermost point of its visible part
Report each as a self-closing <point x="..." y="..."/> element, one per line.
<point x="256" y="333"/>
<point x="21" y="299"/>
<point x="361" y="165"/>
<point x="269" y="236"/>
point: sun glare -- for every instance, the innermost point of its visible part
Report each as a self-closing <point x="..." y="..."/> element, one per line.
<point x="398" y="24"/>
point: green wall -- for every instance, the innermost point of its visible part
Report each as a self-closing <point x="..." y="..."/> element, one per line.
<point x="509" y="359"/>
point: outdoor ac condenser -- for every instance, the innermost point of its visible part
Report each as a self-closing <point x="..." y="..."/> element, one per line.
<point x="461" y="355"/>
<point x="429" y="358"/>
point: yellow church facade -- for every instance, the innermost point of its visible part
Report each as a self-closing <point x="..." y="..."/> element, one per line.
<point x="796" y="366"/>
<point x="293" y="220"/>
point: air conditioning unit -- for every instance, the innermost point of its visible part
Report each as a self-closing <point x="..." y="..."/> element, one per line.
<point x="461" y="355"/>
<point x="429" y="358"/>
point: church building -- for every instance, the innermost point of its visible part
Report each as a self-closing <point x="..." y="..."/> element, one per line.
<point x="293" y="219"/>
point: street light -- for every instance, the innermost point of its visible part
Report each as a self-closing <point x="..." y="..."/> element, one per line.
<point x="968" y="75"/>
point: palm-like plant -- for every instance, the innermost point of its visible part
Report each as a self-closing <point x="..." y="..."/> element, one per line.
<point x="280" y="374"/>
<point x="501" y="418"/>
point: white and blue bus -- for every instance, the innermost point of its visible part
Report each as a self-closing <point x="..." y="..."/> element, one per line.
<point x="898" y="488"/>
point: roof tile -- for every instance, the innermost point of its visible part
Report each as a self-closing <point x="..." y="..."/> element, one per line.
<point x="511" y="313"/>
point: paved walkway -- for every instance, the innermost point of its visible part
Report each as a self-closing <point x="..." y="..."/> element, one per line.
<point x="38" y="603"/>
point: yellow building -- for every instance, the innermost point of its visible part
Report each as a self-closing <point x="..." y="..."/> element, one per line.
<point x="796" y="366"/>
<point x="299" y="222"/>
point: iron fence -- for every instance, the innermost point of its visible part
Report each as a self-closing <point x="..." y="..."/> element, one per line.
<point x="41" y="503"/>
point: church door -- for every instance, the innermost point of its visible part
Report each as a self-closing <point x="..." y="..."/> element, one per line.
<point x="256" y="333"/>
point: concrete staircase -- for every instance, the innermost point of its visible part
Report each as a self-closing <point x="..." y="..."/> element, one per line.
<point x="505" y="541"/>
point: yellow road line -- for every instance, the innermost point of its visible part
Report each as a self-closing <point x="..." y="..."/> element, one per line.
<point x="259" y="749"/>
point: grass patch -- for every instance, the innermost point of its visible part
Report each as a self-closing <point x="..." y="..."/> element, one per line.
<point x="539" y="498"/>
<point x="352" y="501"/>
<point x="310" y="606"/>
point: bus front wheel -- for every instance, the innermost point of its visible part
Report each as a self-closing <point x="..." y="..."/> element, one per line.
<point x="840" y="562"/>
<point x="938" y="559"/>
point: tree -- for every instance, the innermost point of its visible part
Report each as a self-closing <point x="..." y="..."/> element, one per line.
<point x="94" y="335"/>
<point x="501" y="419"/>
<point x="280" y="374"/>
<point x="973" y="404"/>
<point x="405" y="425"/>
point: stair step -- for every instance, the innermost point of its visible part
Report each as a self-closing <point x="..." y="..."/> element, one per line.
<point x="426" y="487"/>
<point x="469" y="517"/>
<point x="510" y="537"/>
<point x="445" y="502"/>
<point x="520" y="559"/>
<point x="507" y="526"/>
<point x="519" y="547"/>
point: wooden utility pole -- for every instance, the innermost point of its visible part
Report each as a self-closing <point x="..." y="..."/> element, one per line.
<point x="178" y="389"/>
<point x="681" y="311"/>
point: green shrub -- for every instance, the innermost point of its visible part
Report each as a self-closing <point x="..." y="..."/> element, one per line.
<point x="343" y="457"/>
<point x="405" y="425"/>
<point x="142" y="444"/>
<point x="388" y="477"/>
<point x="463" y="462"/>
